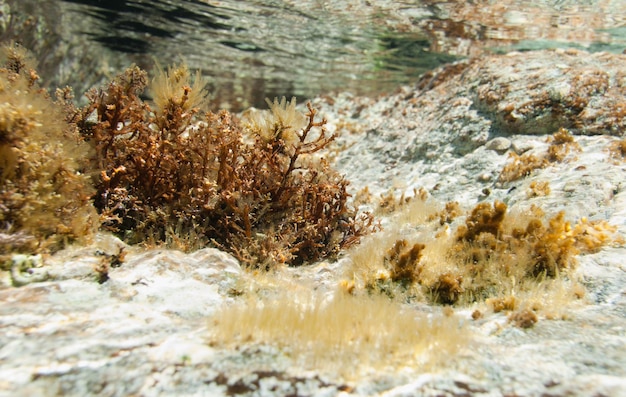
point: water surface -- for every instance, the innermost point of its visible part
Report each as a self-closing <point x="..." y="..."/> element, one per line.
<point x="252" y="49"/>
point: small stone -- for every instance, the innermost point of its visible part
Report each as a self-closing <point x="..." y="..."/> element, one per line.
<point x="484" y="177"/>
<point x="92" y="119"/>
<point x="521" y="146"/>
<point x="499" y="144"/>
<point x="570" y="187"/>
<point x="560" y="91"/>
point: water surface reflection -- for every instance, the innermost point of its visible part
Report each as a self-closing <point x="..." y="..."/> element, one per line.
<point x="257" y="48"/>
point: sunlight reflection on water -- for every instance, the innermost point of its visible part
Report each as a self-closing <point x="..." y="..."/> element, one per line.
<point x="255" y="49"/>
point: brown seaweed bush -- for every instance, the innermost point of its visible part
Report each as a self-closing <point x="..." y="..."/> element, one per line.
<point x="188" y="177"/>
<point x="44" y="195"/>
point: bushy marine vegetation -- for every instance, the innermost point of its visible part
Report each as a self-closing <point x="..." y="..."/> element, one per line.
<point x="190" y="177"/>
<point x="176" y="174"/>
<point x="45" y="197"/>
<point x="494" y="253"/>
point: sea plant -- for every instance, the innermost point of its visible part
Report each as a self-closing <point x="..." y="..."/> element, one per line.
<point x="561" y="143"/>
<point x="45" y="196"/>
<point x="189" y="177"/>
<point x="490" y="255"/>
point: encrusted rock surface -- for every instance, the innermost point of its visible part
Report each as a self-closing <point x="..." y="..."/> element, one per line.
<point x="436" y="134"/>
<point x="142" y="326"/>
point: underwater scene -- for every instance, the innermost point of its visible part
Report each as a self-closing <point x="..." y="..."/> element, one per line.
<point x="312" y="198"/>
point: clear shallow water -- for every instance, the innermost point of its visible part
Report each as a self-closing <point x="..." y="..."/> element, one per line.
<point x="254" y="49"/>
